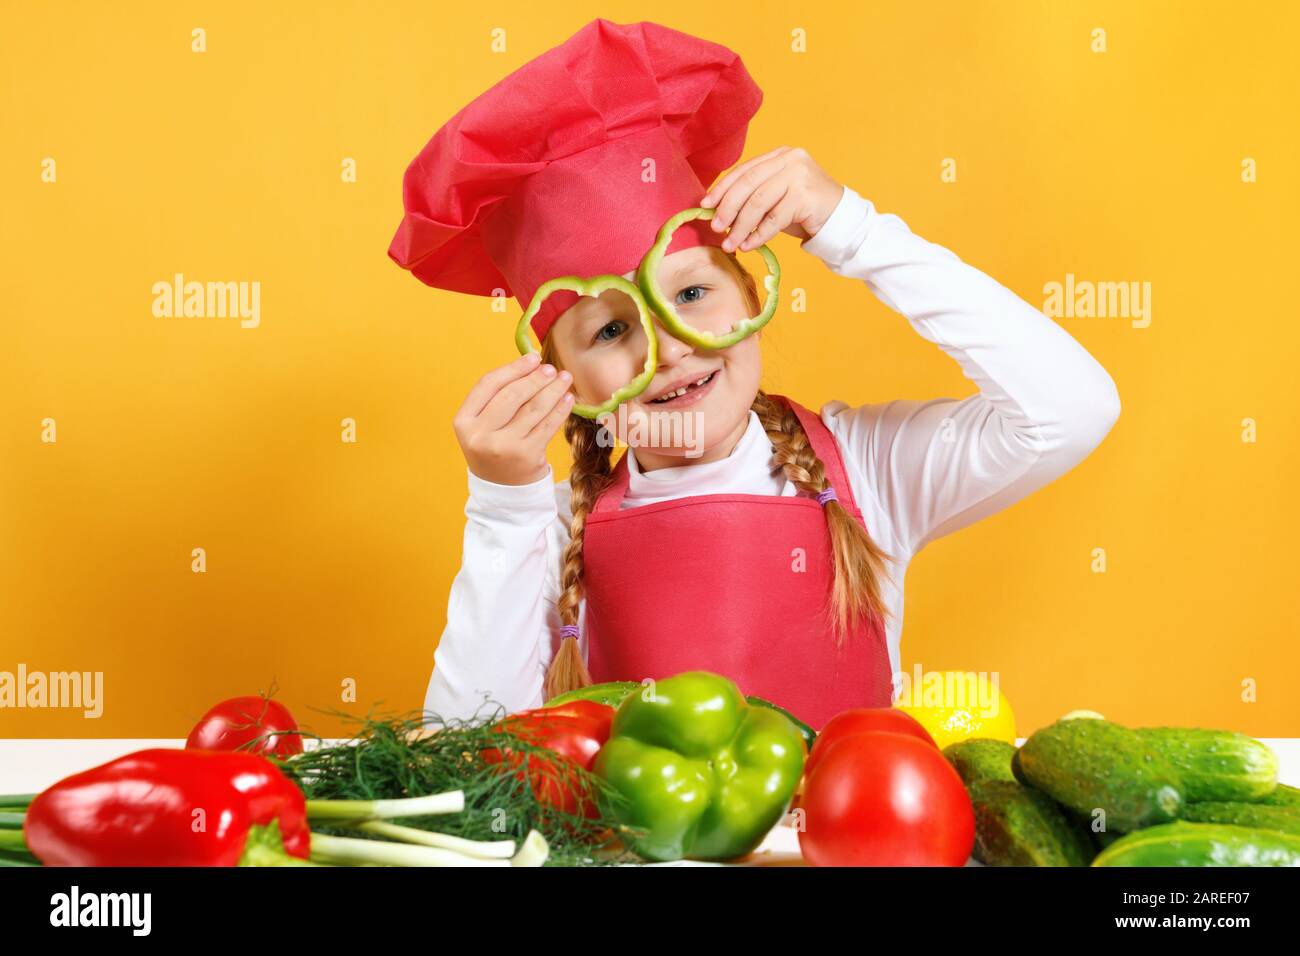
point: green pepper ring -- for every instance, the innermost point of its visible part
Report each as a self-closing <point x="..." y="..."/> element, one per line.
<point x="646" y="278"/>
<point x="594" y="287"/>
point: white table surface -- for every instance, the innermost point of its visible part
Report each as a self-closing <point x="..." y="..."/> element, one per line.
<point x="31" y="765"/>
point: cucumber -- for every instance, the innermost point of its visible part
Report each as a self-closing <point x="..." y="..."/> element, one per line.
<point x="1214" y="764"/>
<point x="1097" y="839"/>
<point x="1284" y="819"/>
<point x="612" y="693"/>
<point x="1018" y="826"/>
<point x="1094" y="764"/>
<point x="1016" y="771"/>
<point x="1082" y="715"/>
<point x="1283" y="796"/>
<point x="980" y="759"/>
<point x="1105" y="838"/>
<point x="1082" y="821"/>
<point x="1202" y="844"/>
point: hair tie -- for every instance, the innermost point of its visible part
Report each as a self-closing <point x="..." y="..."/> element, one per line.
<point x="569" y="630"/>
<point x="825" y="496"/>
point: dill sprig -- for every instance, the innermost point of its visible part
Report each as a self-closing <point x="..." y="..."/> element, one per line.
<point x="420" y="753"/>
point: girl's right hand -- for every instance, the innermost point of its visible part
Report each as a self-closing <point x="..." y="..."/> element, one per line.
<point x="509" y="417"/>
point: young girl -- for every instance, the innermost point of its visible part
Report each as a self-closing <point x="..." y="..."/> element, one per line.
<point x="774" y="550"/>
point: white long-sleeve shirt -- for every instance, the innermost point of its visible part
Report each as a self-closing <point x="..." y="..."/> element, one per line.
<point x="918" y="469"/>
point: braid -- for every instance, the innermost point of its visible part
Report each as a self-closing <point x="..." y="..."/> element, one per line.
<point x="859" y="563"/>
<point x="590" y="475"/>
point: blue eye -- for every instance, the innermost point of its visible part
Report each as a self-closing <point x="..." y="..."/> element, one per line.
<point x="696" y="288"/>
<point x="610" y="332"/>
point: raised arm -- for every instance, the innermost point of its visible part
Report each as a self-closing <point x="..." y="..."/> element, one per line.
<point x="1043" y="402"/>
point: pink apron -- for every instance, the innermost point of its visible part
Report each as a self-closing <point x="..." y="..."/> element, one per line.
<point x="712" y="582"/>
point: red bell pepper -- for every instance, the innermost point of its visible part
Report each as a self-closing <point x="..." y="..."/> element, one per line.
<point x="234" y="723"/>
<point x="171" y="808"/>
<point x="576" y="731"/>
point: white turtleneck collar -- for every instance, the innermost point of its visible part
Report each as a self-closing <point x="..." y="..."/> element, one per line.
<point x="747" y="470"/>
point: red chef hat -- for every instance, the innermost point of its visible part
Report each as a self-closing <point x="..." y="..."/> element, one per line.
<point x="549" y="172"/>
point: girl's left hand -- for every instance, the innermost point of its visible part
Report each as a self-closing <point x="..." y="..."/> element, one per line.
<point x="781" y="191"/>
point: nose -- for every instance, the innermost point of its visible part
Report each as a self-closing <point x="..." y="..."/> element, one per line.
<point x="671" y="349"/>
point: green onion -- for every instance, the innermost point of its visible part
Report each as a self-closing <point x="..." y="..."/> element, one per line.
<point x="451" y="802"/>
<point x="336" y="850"/>
<point x="488" y="849"/>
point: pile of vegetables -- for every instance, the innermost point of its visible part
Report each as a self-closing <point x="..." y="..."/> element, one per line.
<point x="685" y="767"/>
<point x="1087" y="791"/>
<point x="526" y="773"/>
<point x="692" y="768"/>
<point x="706" y="773"/>
<point x="405" y="791"/>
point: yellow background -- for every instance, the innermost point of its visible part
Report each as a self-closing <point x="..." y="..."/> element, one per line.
<point x="329" y="561"/>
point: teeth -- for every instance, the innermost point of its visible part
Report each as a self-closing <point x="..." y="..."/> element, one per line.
<point x="667" y="396"/>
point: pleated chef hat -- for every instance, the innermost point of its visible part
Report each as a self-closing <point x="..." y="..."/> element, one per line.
<point x="545" y="174"/>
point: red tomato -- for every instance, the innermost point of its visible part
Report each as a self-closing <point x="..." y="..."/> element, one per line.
<point x="235" y="722"/>
<point x="576" y="730"/>
<point x="847" y="723"/>
<point x="885" y="799"/>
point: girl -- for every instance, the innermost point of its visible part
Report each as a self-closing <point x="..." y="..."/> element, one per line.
<point x="777" y="555"/>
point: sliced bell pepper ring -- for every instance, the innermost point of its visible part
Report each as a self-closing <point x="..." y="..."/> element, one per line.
<point x="594" y="287"/>
<point x="703" y="773"/>
<point x="647" y="277"/>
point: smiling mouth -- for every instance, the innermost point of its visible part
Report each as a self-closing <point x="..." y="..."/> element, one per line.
<point x="686" y="390"/>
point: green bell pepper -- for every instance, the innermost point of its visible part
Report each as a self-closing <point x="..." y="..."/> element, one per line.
<point x="807" y="733"/>
<point x="702" y="773"/>
<point x="612" y="693"/>
<point x="615" y="692"/>
<point x="594" y="287"/>
<point x="647" y="277"/>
